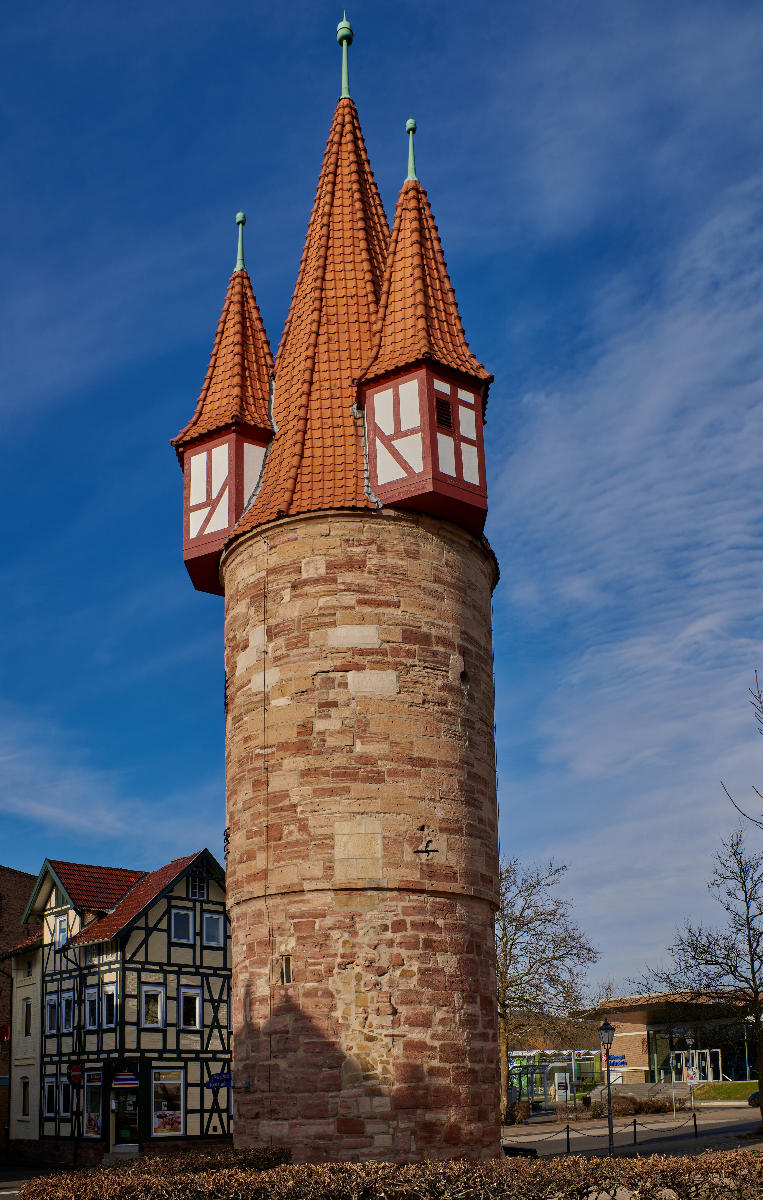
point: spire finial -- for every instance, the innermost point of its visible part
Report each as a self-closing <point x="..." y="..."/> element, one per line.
<point x="344" y="37"/>
<point x="241" y="222"/>
<point x="410" y="129"/>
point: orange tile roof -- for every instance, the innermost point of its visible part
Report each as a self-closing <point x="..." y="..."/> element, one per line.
<point x="418" y="317"/>
<point x="316" y="459"/>
<point x="91" y="887"/>
<point x="144" y="891"/>
<point x="236" y="390"/>
<point x="29" y="943"/>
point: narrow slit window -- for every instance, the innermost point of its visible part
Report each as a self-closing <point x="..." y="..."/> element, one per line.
<point x="443" y="412"/>
<point x="286" y="976"/>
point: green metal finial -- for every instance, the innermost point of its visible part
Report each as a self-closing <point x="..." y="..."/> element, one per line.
<point x="410" y="129"/>
<point x="344" y="37"/>
<point x="241" y="222"/>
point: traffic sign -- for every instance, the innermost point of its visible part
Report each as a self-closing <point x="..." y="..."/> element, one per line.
<point x="692" y="1077"/>
<point x="74" y="1074"/>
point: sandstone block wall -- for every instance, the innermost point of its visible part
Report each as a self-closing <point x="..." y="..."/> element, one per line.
<point x="363" y="836"/>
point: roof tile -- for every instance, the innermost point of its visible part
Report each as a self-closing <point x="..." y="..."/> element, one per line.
<point x="91" y="887"/>
<point x="142" y="893"/>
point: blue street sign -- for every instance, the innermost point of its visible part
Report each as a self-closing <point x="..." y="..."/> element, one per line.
<point x="220" y="1080"/>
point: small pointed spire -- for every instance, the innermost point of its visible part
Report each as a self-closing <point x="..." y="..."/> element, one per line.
<point x="241" y="222"/>
<point x="410" y="129"/>
<point x="344" y="37"/>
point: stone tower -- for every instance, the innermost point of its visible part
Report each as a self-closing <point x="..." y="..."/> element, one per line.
<point x="362" y="864"/>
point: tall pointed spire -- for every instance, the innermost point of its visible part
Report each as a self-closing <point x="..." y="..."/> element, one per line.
<point x="418" y="318"/>
<point x="236" y="389"/>
<point x="316" y="460"/>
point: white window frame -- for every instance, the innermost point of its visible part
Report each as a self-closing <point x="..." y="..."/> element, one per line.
<point x="145" y="990"/>
<point x="26" y="1017"/>
<point x="51" y="998"/>
<point x="197" y="993"/>
<point x="64" y="1089"/>
<point x="197" y="886"/>
<point x="175" y="1132"/>
<point x="186" y="912"/>
<point x="91" y="1082"/>
<point x="49" y="1088"/>
<point x="67" y="1026"/>
<point x="24" y="1097"/>
<point x="62" y="931"/>
<point x="213" y="916"/>
<point x="109" y="989"/>
<point x="91" y="994"/>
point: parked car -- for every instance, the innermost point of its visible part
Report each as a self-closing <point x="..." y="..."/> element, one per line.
<point x="754" y="1100"/>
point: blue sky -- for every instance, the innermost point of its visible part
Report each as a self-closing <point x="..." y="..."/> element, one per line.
<point x="595" y="173"/>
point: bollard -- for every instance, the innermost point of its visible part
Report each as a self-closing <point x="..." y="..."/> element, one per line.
<point x="694" y="1119"/>
<point x="568" y="1138"/>
<point x="634" y="1131"/>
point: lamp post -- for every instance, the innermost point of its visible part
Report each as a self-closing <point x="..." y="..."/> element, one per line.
<point x="689" y="1039"/>
<point x="607" y="1033"/>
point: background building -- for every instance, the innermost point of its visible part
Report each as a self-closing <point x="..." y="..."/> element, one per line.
<point x="14" y="892"/>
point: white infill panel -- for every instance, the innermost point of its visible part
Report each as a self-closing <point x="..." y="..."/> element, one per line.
<point x="198" y="488"/>
<point x="219" y="519"/>
<point x="466" y="422"/>
<point x="219" y="467"/>
<point x="384" y="413"/>
<point x="470" y="463"/>
<point x="410" y="415"/>
<point x="439" y="386"/>
<point x="386" y="467"/>
<point x="410" y="448"/>
<point x="253" y="456"/>
<point x="467" y="396"/>
<point x="195" y="519"/>
<point x="446" y="454"/>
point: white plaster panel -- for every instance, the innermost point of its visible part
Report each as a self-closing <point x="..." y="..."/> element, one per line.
<point x="470" y="463"/>
<point x="373" y="683"/>
<point x="467" y="423"/>
<point x="253" y="456"/>
<point x="410" y="448"/>
<point x="198" y="490"/>
<point x="446" y="454"/>
<point x="219" y="467"/>
<point x="439" y="386"/>
<point x="410" y="414"/>
<point x="219" y="518"/>
<point x="467" y="396"/>
<point x="386" y="467"/>
<point x="195" y="519"/>
<point x="346" y="637"/>
<point x="384" y="412"/>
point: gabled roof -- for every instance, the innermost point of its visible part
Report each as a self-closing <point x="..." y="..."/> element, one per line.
<point x="30" y="943"/>
<point x="418" y="317"/>
<point x="236" y="390"/>
<point x="88" y="887"/>
<point x="145" y="892"/>
<point x="316" y="459"/>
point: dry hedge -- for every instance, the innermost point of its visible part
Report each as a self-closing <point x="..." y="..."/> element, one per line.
<point x="732" y="1175"/>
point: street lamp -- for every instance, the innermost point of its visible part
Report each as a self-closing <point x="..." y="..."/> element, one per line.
<point x="607" y="1033"/>
<point x="689" y="1039"/>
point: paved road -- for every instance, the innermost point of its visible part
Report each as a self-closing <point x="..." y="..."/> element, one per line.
<point x="718" y="1129"/>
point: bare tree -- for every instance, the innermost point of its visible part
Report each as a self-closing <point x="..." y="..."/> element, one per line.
<point x="757" y="706"/>
<point x="540" y="952"/>
<point x="715" y="963"/>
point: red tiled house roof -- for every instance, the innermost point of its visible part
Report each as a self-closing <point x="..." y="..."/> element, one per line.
<point x="236" y="389"/>
<point x="94" y="888"/>
<point x="316" y="459"/>
<point x="418" y="318"/>
<point x="29" y="943"/>
<point x="140" y="895"/>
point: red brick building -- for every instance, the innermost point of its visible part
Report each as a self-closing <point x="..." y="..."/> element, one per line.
<point x="15" y="887"/>
<point x="337" y="499"/>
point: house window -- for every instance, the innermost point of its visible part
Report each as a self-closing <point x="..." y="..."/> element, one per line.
<point x="152" y="1006"/>
<point x="213" y="929"/>
<point x="27" y="1018"/>
<point x="167" y="1103"/>
<point x="24" y="1096"/>
<point x="190" y="1008"/>
<point x="197" y="886"/>
<point x="51" y="1013"/>
<point x="62" y="931"/>
<point x="109" y="1010"/>
<point x="91" y="1008"/>
<point x="182" y="925"/>
<point x="67" y="1012"/>
<point x="90" y="954"/>
<point x="29" y="968"/>
<point x="49" y="1096"/>
<point x="93" y="1104"/>
<point x="65" y="1098"/>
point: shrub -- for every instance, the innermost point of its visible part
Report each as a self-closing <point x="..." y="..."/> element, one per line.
<point x="623" y="1105"/>
<point x="518" y="1112"/>
<point x="734" y="1175"/>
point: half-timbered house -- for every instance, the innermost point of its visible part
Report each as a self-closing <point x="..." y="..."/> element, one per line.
<point x="133" y="1003"/>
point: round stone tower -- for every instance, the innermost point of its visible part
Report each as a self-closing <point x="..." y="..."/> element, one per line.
<point x="362" y="851"/>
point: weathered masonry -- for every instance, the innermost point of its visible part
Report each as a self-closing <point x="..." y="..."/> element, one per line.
<point x="359" y="740"/>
